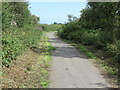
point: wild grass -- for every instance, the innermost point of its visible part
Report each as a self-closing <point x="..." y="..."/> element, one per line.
<point x="44" y="82"/>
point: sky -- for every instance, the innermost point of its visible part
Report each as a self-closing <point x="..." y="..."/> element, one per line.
<point x="50" y="12"/>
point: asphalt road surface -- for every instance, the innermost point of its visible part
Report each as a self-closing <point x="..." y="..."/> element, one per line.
<point x="71" y="69"/>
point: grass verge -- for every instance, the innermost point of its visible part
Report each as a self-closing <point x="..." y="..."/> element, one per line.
<point x="41" y="66"/>
<point x="31" y="69"/>
<point x="44" y="82"/>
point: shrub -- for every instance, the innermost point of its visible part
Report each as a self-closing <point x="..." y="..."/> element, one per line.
<point x="12" y="47"/>
<point x="113" y="50"/>
<point x="68" y="30"/>
<point x="89" y="38"/>
<point x="16" y="41"/>
<point x="52" y="27"/>
<point x="105" y="37"/>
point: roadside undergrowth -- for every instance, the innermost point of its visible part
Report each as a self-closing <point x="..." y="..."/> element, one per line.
<point x="42" y="63"/>
<point x="44" y="82"/>
<point x="31" y="69"/>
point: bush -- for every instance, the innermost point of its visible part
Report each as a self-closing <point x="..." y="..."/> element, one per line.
<point x="52" y="27"/>
<point x="113" y="50"/>
<point x="18" y="31"/>
<point x="31" y="38"/>
<point x="12" y="47"/>
<point x="16" y="41"/>
<point x="106" y="37"/>
<point x="89" y="38"/>
<point x="68" y="30"/>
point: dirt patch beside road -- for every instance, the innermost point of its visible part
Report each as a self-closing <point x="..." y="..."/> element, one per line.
<point x="29" y="70"/>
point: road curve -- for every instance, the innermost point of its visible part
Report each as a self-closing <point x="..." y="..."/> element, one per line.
<point x="71" y="69"/>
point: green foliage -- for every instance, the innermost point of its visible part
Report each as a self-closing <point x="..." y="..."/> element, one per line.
<point x="97" y="26"/>
<point x="113" y="50"/>
<point x="67" y="30"/>
<point x="11" y="49"/>
<point x="14" y="45"/>
<point x="34" y="20"/>
<point x="19" y="32"/>
<point x="6" y="14"/>
<point x="52" y="27"/>
<point x="89" y="38"/>
<point x="72" y="18"/>
<point x="45" y="63"/>
<point x="99" y="15"/>
<point x="31" y="38"/>
<point x="50" y="47"/>
<point x="15" y="14"/>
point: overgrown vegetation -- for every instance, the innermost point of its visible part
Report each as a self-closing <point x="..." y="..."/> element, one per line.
<point x="52" y="27"/>
<point x="31" y="68"/>
<point x="44" y="82"/>
<point x="19" y="33"/>
<point x="98" y="26"/>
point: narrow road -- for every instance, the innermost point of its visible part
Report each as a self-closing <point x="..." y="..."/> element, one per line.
<point x="71" y="69"/>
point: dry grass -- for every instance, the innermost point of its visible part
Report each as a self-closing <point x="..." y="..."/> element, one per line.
<point x="29" y="70"/>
